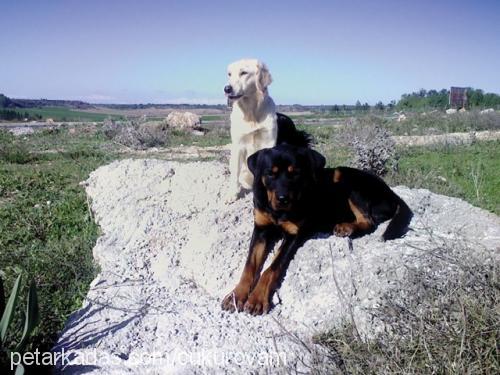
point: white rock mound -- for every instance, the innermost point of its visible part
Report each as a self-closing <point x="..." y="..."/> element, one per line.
<point x="170" y="250"/>
<point x="183" y="120"/>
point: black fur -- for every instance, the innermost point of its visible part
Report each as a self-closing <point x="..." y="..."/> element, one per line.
<point x="324" y="203"/>
<point x="288" y="133"/>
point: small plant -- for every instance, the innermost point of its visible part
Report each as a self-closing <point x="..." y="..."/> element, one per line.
<point x="29" y="321"/>
<point x="13" y="151"/>
<point x="137" y="135"/>
<point x="372" y="146"/>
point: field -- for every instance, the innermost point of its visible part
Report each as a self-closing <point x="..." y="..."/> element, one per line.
<point x="48" y="231"/>
<point x="63" y="114"/>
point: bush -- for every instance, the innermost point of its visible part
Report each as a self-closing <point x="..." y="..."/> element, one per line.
<point x="12" y="150"/>
<point x="371" y="145"/>
<point x="137" y="135"/>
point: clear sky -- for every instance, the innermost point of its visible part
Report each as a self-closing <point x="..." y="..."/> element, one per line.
<point x="319" y="52"/>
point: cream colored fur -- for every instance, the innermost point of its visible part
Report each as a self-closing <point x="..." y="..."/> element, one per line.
<point x="253" y="119"/>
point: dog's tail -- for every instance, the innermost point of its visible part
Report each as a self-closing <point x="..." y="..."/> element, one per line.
<point x="288" y="133"/>
<point x="398" y="226"/>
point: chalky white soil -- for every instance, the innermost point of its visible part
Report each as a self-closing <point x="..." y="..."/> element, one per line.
<point x="170" y="249"/>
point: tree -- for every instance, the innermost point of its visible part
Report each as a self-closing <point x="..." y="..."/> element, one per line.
<point x="5" y="102"/>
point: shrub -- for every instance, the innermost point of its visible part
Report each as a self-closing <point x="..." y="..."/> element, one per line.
<point x="372" y="146"/>
<point x="137" y="135"/>
<point x="12" y="150"/>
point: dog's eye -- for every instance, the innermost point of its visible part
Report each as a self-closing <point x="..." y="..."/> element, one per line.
<point x="243" y="73"/>
<point x="229" y="74"/>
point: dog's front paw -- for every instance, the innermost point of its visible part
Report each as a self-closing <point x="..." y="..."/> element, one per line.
<point x="234" y="301"/>
<point x="343" y="230"/>
<point x="231" y="196"/>
<point x="257" y="303"/>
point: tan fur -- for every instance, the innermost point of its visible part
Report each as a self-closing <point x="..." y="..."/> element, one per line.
<point x="361" y="223"/>
<point x="248" y="278"/>
<point x="262" y="218"/>
<point x="337" y="176"/>
<point x="290" y="228"/>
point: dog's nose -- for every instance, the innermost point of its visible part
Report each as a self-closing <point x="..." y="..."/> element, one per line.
<point x="283" y="199"/>
<point x="228" y="89"/>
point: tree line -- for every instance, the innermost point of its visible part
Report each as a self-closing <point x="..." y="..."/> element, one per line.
<point x="13" y="115"/>
<point x="424" y="99"/>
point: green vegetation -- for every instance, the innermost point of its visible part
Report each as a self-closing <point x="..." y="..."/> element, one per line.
<point x="433" y="99"/>
<point x="19" y="110"/>
<point x="45" y="226"/>
<point x="213" y="118"/>
<point x="5" y="102"/>
<point x="28" y="321"/>
<point x="468" y="172"/>
<point x="64" y="114"/>
<point x="424" y="100"/>
<point x="12" y="114"/>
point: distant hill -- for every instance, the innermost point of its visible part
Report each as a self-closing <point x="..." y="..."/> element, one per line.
<point x="6" y="102"/>
<point x="32" y="103"/>
<point x="163" y="106"/>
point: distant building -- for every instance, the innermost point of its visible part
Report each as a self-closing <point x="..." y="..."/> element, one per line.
<point x="458" y="97"/>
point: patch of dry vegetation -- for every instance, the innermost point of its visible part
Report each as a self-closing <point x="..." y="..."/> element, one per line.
<point x="442" y="320"/>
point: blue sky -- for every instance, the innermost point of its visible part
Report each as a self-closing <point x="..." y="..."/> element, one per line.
<point x="319" y="52"/>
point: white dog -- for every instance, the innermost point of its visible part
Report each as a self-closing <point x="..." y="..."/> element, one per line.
<point x="253" y="119"/>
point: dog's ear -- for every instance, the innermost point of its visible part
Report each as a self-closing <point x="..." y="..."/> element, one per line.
<point x="264" y="78"/>
<point x="253" y="160"/>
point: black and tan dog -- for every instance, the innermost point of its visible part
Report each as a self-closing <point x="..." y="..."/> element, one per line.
<point x="296" y="197"/>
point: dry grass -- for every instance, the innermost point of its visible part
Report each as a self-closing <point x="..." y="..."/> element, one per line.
<point x="439" y="123"/>
<point x="442" y="319"/>
<point x="371" y="146"/>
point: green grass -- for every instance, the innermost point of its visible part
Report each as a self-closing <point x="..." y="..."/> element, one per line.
<point x="46" y="231"/>
<point x="214" y="137"/>
<point x="213" y="117"/>
<point x="66" y="114"/>
<point x="468" y="172"/>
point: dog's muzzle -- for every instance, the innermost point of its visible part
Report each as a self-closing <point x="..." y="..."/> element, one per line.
<point x="228" y="90"/>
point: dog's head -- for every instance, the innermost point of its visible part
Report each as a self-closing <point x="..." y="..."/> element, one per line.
<point x="246" y="78"/>
<point x="284" y="175"/>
